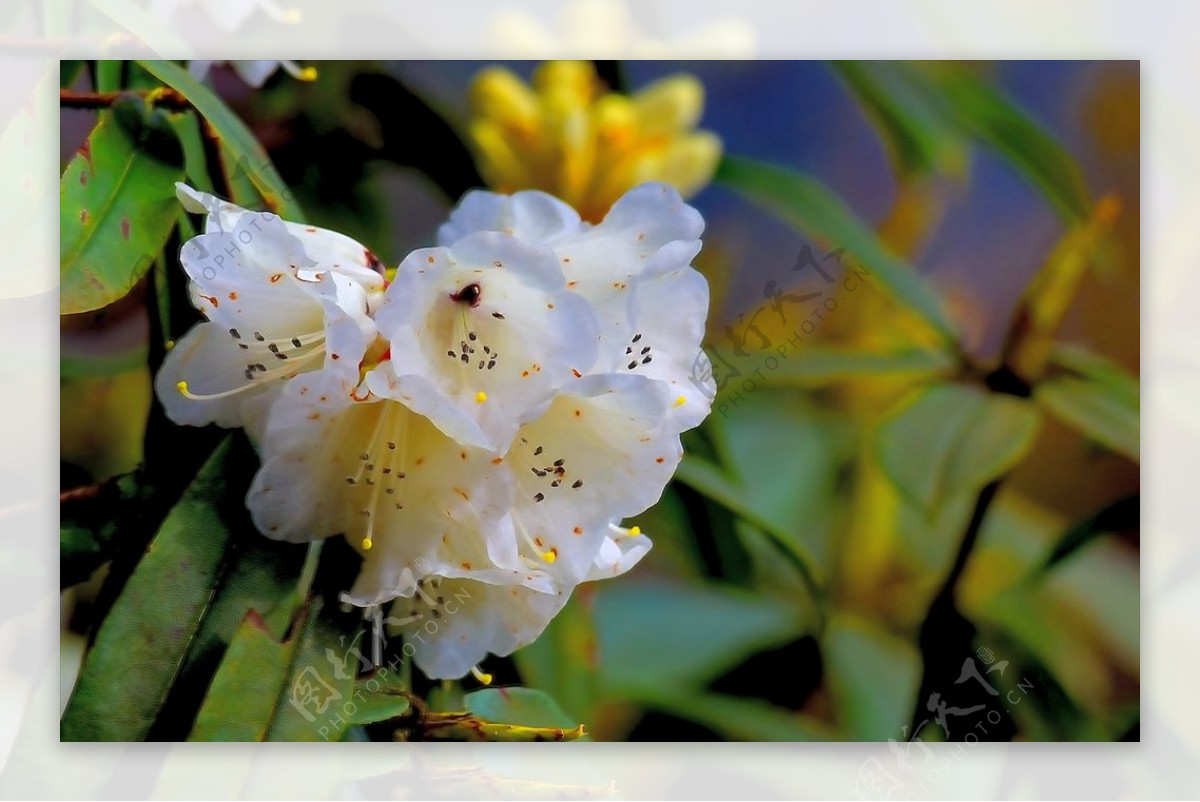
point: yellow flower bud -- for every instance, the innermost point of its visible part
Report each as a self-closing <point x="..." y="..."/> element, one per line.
<point x="570" y="137"/>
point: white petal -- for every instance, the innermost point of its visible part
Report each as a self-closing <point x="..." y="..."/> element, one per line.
<point x="279" y="243"/>
<point x="374" y="470"/>
<point x="530" y="215"/>
<point x="648" y="232"/>
<point x="484" y="331"/>
<point x="254" y="73"/>
<point x="211" y="364"/>
<point x="617" y="555"/>
<point x="600" y="451"/>
<point x="668" y="323"/>
<point x="473" y="620"/>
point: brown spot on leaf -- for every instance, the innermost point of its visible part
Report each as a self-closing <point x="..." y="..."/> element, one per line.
<point x="125" y="228"/>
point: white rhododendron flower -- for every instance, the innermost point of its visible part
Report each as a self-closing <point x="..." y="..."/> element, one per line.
<point x="478" y="429"/>
<point x="634" y="267"/>
<point x="483" y="334"/>
<point x="254" y="73"/>
<point x="279" y="298"/>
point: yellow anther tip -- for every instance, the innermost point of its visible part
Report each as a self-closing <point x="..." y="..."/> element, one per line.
<point x="634" y="531"/>
<point x="550" y="556"/>
<point x="182" y="387"/>
<point x="680" y="401"/>
<point x="480" y="397"/>
<point x="170" y="344"/>
<point x="308" y="74"/>
<point x="367" y="544"/>
<point x="483" y="677"/>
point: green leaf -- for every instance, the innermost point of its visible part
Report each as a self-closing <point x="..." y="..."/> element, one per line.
<point x="873" y="678"/>
<point x="952" y="439"/>
<point x="245" y="691"/>
<point x="818" y="366"/>
<point x="378" y="698"/>
<point x="712" y="482"/>
<point x="108" y="75"/>
<point x="808" y="205"/>
<point x="247" y="156"/>
<point x="524" y="706"/>
<point x="187" y="128"/>
<point x="739" y="718"/>
<point x="68" y="72"/>
<point x="298" y="689"/>
<point x="1119" y="516"/>
<point x="117" y="205"/>
<point x="563" y="660"/>
<point x="260" y="579"/>
<point x="794" y="495"/>
<point x="917" y="136"/>
<point x="990" y="117"/>
<point x="1096" y="397"/>
<point x="658" y="640"/>
<point x="80" y="554"/>
<point x="141" y="644"/>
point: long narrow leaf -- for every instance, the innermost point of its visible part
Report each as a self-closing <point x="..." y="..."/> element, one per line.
<point x="807" y="204"/>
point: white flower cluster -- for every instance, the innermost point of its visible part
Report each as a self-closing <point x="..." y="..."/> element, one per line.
<point x="490" y="415"/>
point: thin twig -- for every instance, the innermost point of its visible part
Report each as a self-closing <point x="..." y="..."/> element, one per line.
<point x="164" y="96"/>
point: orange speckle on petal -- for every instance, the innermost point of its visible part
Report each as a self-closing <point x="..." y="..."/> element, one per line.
<point x="497" y="460"/>
<point x="660" y="459"/>
<point x="430" y="260"/>
<point x="462" y="455"/>
<point x="315" y="416"/>
<point x="576" y="373"/>
<point x="524" y="374"/>
<point x="466" y="566"/>
<point x="233" y="296"/>
<point x="335" y="356"/>
<point x="275" y="278"/>
<point x="538" y="541"/>
<point x="578" y="530"/>
<point x="465" y="495"/>
<point x="579" y="413"/>
<point x="571" y="284"/>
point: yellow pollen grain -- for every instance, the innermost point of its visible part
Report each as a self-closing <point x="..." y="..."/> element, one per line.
<point x="367" y="544"/>
<point x="550" y="556"/>
<point x="182" y="387"/>
<point x="480" y="397"/>
<point x="680" y="401"/>
<point x="634" y="531"/>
